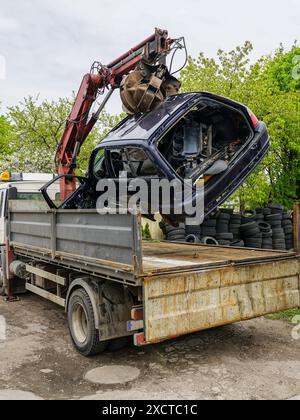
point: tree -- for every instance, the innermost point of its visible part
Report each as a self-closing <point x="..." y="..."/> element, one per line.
<point x="5" y="139"/>
<point x="37" y="130"/>
<point x="270" y="89"/>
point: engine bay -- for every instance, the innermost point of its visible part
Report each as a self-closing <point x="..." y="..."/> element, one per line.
<point x="205" y="140"/>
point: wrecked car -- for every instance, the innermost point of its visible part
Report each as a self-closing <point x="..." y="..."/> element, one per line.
<point x="198" y="136"/>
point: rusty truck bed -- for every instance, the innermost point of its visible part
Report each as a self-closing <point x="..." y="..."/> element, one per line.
<point x="159" y="258"/>
<point x="185" y="287"/>
<point x="188" y="288"/>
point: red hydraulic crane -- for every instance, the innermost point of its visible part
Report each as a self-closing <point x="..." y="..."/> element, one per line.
<point x="148" y="82"/>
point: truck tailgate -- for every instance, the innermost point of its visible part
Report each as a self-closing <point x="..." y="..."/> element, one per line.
<point x="199" y="287"/>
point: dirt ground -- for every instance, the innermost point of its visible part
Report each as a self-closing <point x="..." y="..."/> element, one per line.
<point x="251" y="360"/>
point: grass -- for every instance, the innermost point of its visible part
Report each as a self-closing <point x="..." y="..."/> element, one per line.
<point x="285" y="315"/>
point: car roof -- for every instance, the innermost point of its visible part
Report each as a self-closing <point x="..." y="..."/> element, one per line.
<point x="143" y="126"/>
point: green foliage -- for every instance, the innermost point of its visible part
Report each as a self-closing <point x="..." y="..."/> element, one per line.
<point x="37" y="129"/>
<point x="270" y="87"/>
<point x="146" y="232"/>
<point x="285" y="315"/>
<point x="5" y="139"/>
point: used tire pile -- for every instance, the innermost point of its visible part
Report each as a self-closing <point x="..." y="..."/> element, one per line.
<point x="268" y="228"/>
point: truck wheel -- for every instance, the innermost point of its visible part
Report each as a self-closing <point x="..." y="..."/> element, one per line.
<point x="81" y="322"/>
<point x="2" y="288"/>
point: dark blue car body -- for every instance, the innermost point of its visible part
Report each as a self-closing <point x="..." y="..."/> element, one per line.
<point x="145" y="131"/>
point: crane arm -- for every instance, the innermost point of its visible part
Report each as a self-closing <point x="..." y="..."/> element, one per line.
<point x="151" y="51"/>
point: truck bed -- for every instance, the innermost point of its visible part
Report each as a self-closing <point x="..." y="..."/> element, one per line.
<point x="185" y="287"/>
<point x="172" y="257"/>
<point x="189" y="288"/>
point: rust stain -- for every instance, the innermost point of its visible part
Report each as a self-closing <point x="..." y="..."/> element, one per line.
<point x="178" y="304"/>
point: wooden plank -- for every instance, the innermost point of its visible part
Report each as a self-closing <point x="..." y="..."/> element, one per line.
<point x="46" y="275"/>
<point x="46" y="295"/>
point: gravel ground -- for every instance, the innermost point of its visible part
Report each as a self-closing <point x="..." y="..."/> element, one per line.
<point x="256" y="359"/>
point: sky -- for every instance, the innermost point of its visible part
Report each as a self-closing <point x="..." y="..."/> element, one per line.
<point x="46" y="46"/>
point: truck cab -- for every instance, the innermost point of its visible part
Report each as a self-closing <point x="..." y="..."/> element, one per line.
<point x="22" y="186"/>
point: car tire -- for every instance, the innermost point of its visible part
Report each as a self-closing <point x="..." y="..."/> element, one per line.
<point x="264" y="227"/>
<point x="287" y="216"/>
<point x="81" y="320"/>
<point x="248" y="216"/>
<point x="274" y="223"/>
<point x="192" y="239"/>
<point x="176" y="232"/>
<point x="266" y="212"/>
<point x="252" y="233"/>
<point x="206" y="231"/>
<point x="227" y="211"/>
<point x="210" y="223"/>
<point x="224" y="236"/>
<point x="223" y="216"/>
<point x="193" y="230"/>
<point x="267" y="235"/>
<point x="273" y="217"/>
<point x="238" y="244"/>
<point x="253" y="243"/>
<point x="209" y="241"/>
<point x="223" y="242"/>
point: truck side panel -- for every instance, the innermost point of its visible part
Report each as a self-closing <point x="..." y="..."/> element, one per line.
<point x="113" y="239"/>
<point x="179" y="304"/>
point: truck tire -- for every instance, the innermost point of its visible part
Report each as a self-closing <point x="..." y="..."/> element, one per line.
<point x="2" y="288"/>
<point x="81" y="321"/>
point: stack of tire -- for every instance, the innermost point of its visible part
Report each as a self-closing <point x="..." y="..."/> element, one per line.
<point x="268" y="228"/>
<point x="287" y="225"/>
<point x="173" y="234"/>
<point x="274" y="217"/>
<point x="282" y="227"/>
<point x="193" y="234"/>
<point x="250" y="230"/>
<point x="223" y="235"/>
